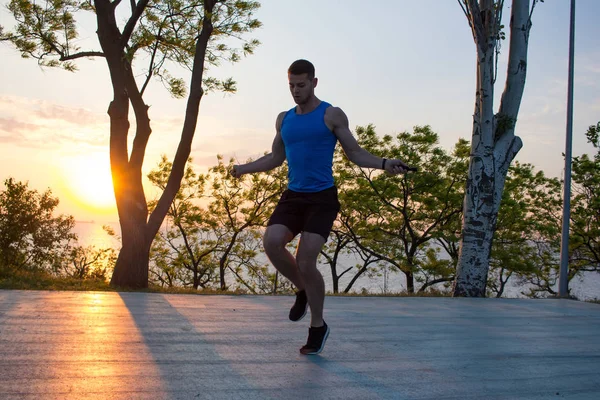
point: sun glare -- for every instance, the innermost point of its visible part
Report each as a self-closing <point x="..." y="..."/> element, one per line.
<point x="90" y="181"/>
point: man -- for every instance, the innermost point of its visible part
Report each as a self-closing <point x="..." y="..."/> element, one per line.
<point x="306" y="136"/>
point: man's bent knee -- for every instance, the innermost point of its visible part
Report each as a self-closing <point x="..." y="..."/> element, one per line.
<point x="276" y="238"/>
<point x="308" y="251"/>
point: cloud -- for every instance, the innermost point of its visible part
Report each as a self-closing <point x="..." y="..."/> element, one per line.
<point x="11" y="131"/>
<point x="49" y="111"/>
<point x="38" y="124"/>
<point x="11" y="125"/>
<point x="11" y="139"/>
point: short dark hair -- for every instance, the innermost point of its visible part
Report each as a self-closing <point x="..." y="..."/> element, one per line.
<point x="300" y="67"/>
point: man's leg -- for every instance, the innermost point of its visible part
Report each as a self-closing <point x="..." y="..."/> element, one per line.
<point x="308" y="250"/>
<point x="275" y="239"/>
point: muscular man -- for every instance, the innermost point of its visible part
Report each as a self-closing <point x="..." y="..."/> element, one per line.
<point x="306" y="136"/>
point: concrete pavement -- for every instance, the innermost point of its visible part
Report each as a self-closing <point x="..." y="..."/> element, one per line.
<point x="103" y="345"/>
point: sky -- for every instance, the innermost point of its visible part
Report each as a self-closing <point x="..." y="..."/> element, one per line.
<point x="394" y="64"/>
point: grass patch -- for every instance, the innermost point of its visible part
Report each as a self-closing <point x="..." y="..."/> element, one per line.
<point x="40" y="280"/>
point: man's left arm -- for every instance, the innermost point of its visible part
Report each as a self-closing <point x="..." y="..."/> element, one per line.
<point x="337" y="121"/>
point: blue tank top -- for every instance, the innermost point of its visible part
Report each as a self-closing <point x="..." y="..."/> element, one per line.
<point x="309" y="147"/>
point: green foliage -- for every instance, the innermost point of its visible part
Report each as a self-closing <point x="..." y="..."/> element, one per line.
<point x="584" y="247"/>
<point x="36" y="244"/>
<point x="44" y="280"/>
<point x="31" y="237"/>
<point x="585" y="208"/>
<point x="503" y="123"/>
<point x="592" y="136"/>
<point x="183" y="252"/>
<point x="87" y="262"/>
<point x="526" y="240"/>
<point x="214" y="228"/>
<point x="396" y="219"/>
<point x="242" y="208"/>
<point x="44" y="30"/>
<point x="412" y="223"/>
<point x="162" y="40"/>
<point x="33" y="240"/>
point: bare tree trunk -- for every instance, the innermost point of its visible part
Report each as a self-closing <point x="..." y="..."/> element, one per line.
<point x="138" y="231"/>
<point x="493" y="144"/>
<point x="336" y="283"/>
<point x="223" y="261"/>
<point x="131" y="269"/>
<point x="478" y="209"/>
<point x="360" y="272"/>
<point x="133" y="259"/>
<point x="410" y="282"/>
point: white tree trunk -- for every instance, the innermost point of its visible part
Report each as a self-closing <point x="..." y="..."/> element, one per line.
<point x="494" y="144"/>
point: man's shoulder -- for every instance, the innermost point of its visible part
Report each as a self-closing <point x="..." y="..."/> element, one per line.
<point x="333" y="110"/>
<point x="333" y="113"/>
<point x="280" y="118"/>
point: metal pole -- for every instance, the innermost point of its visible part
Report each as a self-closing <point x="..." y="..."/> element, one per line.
<point x="564" y="245"/>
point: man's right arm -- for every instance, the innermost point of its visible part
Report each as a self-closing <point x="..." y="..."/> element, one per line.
<point x="269" y="161"/>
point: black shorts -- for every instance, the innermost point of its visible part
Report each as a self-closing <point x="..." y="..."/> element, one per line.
<point x="309" y="212"/>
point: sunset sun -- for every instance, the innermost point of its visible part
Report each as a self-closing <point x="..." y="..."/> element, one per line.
<point x="90" y="181"/>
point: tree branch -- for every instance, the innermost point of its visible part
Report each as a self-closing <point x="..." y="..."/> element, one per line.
<point x="476" y="23"/>
<point x="461" y="4"/>
<point x="517" y="60"/>
<point x="151" y="67"/>
<point x="82" y="54"/>
<point x="344" y="273"/>
<point x="136" y="13"/>
<point x="531" y="12"/>
<point x="434" y="282"/>
<point x="506" y="150"/>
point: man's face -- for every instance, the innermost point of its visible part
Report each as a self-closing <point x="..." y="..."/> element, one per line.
<point x="301" y="87"/>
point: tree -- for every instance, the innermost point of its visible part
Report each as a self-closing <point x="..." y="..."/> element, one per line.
<point x="585" y="208"/>
<point x="184" y="252"/>
<point x="527" y="237"/>
<point x="31" y="237"/>
<point x="341" y="244"/>
<point x="584" y="247"/>
<point x="494" y="143"/>
<point x="166" y="35"/>
<point x="87" y="262"/>
<point x="240" y="206"/>
<point x="397" y="219"/>
<point x="201" y="243"/>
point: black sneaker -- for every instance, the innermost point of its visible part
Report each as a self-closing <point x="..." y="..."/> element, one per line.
<point x="298" y="310"/>
<point x="316" y="340"/>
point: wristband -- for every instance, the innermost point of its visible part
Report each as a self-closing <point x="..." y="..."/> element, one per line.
<point x="383" y="163"/>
